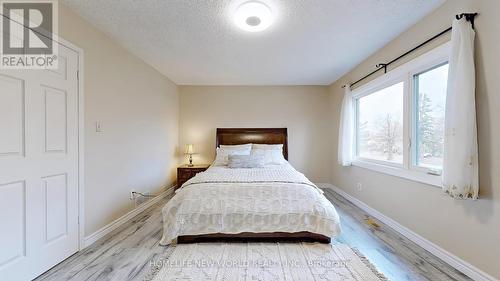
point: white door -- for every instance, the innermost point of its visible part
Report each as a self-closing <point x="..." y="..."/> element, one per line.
<point x="38" y="168"/>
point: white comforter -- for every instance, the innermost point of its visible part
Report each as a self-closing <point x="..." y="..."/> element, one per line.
<point x="272" y="199"/>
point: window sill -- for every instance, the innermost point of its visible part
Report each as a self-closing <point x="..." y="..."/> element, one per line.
<point x="399" y="172"/>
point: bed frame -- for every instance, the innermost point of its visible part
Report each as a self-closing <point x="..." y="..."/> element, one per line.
<point x="233" y="136"/>
<point x="253" y="135"/>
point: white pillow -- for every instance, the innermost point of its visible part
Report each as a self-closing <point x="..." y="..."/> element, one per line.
<point x="272" y="153"/>
<point x="236" y="146"/>
<point x="222" y="153"/>
<point x="267" y="146"/>
<point x="245" y="161"/>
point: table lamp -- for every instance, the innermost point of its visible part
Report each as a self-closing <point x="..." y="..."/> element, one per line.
<point x="190" y="152"/>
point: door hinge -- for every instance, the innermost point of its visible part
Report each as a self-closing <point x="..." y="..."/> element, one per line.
<point x="78" y="74"/>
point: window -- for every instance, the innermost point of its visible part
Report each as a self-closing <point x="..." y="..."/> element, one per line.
<point x="400" y="119"/>
<point x="380" y="125"/>
<point x="430" y="99"/>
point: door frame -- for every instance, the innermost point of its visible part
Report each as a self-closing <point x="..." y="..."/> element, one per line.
<point x="81" y="140"/>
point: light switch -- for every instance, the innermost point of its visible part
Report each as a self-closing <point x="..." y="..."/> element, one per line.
<point x="98" y="127"/>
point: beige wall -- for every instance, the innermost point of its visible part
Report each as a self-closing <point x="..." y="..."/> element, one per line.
<point x="302" y="109"/>
<point x="468" y="229"/>
<point x="138" y="108"/>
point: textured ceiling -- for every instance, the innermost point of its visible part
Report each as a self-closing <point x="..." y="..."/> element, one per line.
<point x="312" y="42"/>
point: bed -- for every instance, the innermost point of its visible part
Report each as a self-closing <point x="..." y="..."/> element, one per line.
<point x="271" y="203"/>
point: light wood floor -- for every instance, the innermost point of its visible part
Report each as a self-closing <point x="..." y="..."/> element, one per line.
<point x="126" y="253"/>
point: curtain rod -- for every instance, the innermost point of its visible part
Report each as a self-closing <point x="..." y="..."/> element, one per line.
<point x="468" y="16"/>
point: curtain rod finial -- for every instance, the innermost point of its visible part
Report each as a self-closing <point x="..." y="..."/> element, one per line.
<point x="468" y="17"/>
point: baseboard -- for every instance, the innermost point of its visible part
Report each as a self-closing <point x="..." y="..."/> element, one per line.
<point x="456" y="262"/>
<point x="92" y="238"/>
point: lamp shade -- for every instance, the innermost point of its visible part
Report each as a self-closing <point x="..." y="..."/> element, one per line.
<point x="189" y="149"/>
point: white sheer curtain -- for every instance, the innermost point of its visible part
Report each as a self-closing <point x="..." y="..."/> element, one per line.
<point x="460" y="166"/>
<point x="346" y="129"/>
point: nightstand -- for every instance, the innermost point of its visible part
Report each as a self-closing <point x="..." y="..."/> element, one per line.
<point x="184" y="173"/>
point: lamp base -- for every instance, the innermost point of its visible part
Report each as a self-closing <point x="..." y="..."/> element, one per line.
<point x="190" y="160"/>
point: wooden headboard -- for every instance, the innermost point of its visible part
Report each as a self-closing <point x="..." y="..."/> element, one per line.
<point x="232" y="136"/>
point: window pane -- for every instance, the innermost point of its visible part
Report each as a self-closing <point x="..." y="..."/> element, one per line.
<point x="430" y="87"/>
<point x="380" y="125"/>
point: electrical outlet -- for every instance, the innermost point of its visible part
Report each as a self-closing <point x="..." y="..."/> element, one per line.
<point x="359" y="186"/>
<point x="98" y="127"/>
<point x="132" y="194"/>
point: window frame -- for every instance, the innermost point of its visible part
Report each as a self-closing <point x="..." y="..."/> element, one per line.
<point x="404" y="73"/>
<point x="386" y="84"/>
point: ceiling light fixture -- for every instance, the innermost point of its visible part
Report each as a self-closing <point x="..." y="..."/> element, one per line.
<point x="253" y="16"/>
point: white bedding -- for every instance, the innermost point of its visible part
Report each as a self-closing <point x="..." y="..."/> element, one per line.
<point x="272" y="199"/>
